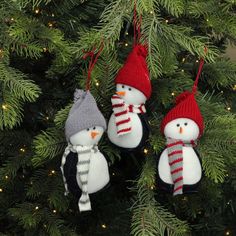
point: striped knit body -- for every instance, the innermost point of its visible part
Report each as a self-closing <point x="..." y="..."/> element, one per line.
<point x="175" y="158"/>
<point x="121" y="112"/>
<point x="84" y="155"/>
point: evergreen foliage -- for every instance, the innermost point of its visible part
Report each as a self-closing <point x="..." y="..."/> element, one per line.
<point x="41" y="47"/>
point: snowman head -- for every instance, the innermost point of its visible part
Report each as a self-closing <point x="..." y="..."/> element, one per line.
<point x="133" y="77"/>
<point x="130" y="95"/>
<point x="87" y="137"/>
<point x="182" y="128"/>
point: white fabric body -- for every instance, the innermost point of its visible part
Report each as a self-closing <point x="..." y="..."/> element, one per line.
<point x="98" y="176"/>
<point x="129" y="140"/>
<point x="192" y="171"/>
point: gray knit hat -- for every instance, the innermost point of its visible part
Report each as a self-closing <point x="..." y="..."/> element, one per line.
<point x="83" y="114"/>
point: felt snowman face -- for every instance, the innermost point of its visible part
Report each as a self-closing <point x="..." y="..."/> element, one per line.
<point x="87" y="137"/>
<point x="130" y="95"/>
<point x="182" y="128"/>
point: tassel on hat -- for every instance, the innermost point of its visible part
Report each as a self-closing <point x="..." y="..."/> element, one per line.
<point x="135" y="73"/>
<point x="83" y="114"/>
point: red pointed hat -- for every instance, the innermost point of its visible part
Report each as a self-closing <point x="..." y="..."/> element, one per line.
<point x="135" y="72"/>
<point x="186" y="107"/>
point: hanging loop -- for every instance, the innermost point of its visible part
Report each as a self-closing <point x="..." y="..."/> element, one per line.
<point x="201" y="64"/>
<point x="92" y="62"/>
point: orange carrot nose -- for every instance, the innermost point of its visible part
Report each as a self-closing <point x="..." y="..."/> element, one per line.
<point x="181" y="130"/>
<point x="94" y="134"/>
<point x="121" y="93"/>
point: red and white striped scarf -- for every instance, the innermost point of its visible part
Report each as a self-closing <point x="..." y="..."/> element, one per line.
<point x="175" y="156"/>
<point x="121" y="112"/>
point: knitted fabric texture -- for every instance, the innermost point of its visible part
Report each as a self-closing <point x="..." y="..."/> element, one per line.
<point x="83" y="114"/>
<point x="135" y="72"/>
<point x="121" y="112"/>
<point x="82" y="171"/>
<point x="175" y="157"/>
<point x="186" y="107"/>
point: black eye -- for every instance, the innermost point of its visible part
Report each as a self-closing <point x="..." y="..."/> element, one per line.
<point x="94" y="127"/>
<point x="178" y="125"/>
<point x="88" y="129"/>
<point x="130" y="89"/>
<point x="185" y="123"/>
<point x="123" y="86"/>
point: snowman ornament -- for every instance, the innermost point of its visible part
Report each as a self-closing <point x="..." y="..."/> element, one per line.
<point x="84" y="168"/>
<point x="179" y="166"/>
<point x="128" y="127"/>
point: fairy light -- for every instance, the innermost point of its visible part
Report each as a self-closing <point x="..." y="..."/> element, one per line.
<point x="126" y="33"/>
<point x="152" y="187"/>
<point x="145" y="150"/>
<point x="50" y="24"/>
<point x="1" y="190"/>
<point x="97" y="84"/>
<point x="12" y="19"/>
<point x="22" y="149"/>
<point x="47" y="118"/>
<point x="104" y="226"/>
<point x="167" y="21"/>
<point x="151" y="12"/>
<point x="45" y="49"/>
<point x="37" y="11"/>
<point x="228" y="108"/>
<point x="227" y="232"/>
<point x="6" y="177"/>
<point x="126" y="44"/>
<point x="172" y="94"/>
<point x="113" y="174"/>
<point x="183" y="60"/>
<point x="4" y="106"/>
<point x="197" y="61"/>
<point x="234" y="88"/>
<point x="207" y="20"/>
<point x="54" y="211"/>
<point x="182" y="70"/>
<point x="53" y="15"/>
<point x="36" y="208"/>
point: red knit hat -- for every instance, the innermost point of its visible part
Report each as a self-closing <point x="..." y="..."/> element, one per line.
<point x="186" y="107"/>
<point x="135" y="73"/>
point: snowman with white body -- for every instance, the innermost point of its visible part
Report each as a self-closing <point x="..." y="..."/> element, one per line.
<point x="84" y="168"/>
<point x="179" y="166"/>
<point x="127" y="127"/>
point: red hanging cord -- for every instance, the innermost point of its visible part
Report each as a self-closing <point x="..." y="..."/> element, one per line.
<point x="201" y="64"/>
<point x="137" y="25"/>
<point x="92" y="63"/>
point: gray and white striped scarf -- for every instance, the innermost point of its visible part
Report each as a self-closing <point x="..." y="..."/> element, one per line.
<point x="175" y="157"/>
<point x="82" y="169"/>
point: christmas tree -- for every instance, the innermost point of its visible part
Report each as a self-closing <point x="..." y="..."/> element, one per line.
<point x="42" y="44"/>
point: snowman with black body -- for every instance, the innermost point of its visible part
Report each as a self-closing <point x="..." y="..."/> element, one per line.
<point x="128" y="127"/>
<point x="179" y="165"/>
<point x="84" y="167"/>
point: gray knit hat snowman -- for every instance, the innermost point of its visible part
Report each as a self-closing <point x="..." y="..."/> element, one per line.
<point x="83" y="114"/>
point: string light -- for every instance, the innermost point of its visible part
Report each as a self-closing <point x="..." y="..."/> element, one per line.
<point x="4" y="106"/>
<point x="151" y="12"/>
<point x="53" y="172"/>
<point x="53" y="15"/>
<point x="36" y="208"/>
<point x="104" y="226"/>
<point x="126" y="44"/>
<point x="197" y="61"/>
<point x="227" y="232"/>
<point x="126" y="33"/>
<point x="97" y="84"/>
<point x="44" y="225"/>
<point x="228" y="108"/>
<point x="183" y="60"/>
<point x="207" y="20"/>
<point x="167" y="21"/>
<point x="221" y="91"/>
<point x="50" y="24"/>
<point x="54" y="211"/>
<point x="182" y="70"/>
<point x="145" y="151"/>
<point x="152" y="187"/>
<point x="172" y="94"/>
<point x="113" y="174"/>
<point x="45" y="49"/>
<point x="6" y="177"/>
<point x="1" y="190"/>
<point x="47" y="118"/>
<point x="234" y="88"/>
<point x="22" y="149"/>
<point x="12" y="19"/>
<point x="37" y="11"/>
